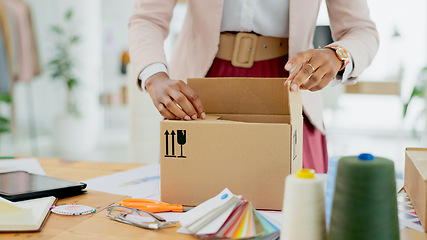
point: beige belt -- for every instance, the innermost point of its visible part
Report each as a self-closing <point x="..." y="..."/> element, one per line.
<point x="243" y="49"/>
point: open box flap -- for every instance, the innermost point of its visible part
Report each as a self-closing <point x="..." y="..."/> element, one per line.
<point x="257" y="96"/>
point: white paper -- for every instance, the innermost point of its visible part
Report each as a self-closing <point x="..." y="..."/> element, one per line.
<point x="216" y="223"/>
<point x="205" y="212"/>
<point x="407" y="216"/>
<point x="141" y="182"/>
<point x="170" y="216"/>
<point x="183" y="230"/>
<point x="275" y="217"/>
<point x="30" y="165"/>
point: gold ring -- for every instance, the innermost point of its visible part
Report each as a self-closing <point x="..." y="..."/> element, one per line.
<point x="308" y="64"/>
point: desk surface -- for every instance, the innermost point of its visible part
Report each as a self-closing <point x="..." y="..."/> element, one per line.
<point x="98" y="225"/>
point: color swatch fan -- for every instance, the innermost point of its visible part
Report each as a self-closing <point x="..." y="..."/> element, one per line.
<point x="227" y="216"/>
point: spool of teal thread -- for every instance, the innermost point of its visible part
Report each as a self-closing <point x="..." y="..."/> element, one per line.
<point x="365" y="201"/>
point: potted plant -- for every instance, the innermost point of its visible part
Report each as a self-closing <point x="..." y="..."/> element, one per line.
<point x="418" y="92"/>
<point x="62" y="64"/>
<point x="72" y="131"/>
<point x="5" y="125"/>
<point x="4" y="121"/>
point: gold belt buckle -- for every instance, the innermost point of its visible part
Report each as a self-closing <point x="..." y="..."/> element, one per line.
<point x="244" y="50"/>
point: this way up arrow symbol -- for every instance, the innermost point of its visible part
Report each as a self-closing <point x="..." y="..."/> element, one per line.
<point x="173" y="142"/>
<point x="167" y="143"/>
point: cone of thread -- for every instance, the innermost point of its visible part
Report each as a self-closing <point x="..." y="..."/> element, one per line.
<point x="365" y="204"/>
<point x="303" y="207"/>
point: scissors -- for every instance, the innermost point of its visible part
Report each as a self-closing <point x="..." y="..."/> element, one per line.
<point x="153" y="206"/>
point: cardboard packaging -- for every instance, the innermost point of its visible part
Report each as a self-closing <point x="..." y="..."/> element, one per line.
<point x="250" y="141"/>
<point x="416" y="181"/>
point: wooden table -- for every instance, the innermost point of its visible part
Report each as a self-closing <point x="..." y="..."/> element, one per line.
<point x="98" y="225"/>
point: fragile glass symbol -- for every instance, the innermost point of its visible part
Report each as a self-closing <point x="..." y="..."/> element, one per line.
<point x="181" y="140"/>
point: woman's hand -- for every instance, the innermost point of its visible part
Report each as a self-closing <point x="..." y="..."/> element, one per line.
<point x="174" y="98"/>
<point x="313" y="69"/>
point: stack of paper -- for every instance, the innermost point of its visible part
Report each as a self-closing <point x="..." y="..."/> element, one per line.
<point x="228" y="216"/>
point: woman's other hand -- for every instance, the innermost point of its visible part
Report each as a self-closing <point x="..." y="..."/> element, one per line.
<point x="174" y="99"/>
<point x="313" y="69"/>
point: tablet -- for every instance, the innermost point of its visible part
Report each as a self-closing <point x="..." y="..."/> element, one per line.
<point x="20" y="185"/>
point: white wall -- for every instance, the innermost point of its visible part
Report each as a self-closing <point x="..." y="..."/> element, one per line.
<point x="45" y="97"/>
<point x="409" y="18"/>
<point x="115" y="16"/>
<point x="407" y="51"/>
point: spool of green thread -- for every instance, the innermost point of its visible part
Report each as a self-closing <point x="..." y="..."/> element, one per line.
<point x="365" y="201"/>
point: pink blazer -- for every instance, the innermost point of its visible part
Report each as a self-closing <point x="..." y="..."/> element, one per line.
<point x="197" y="43"/>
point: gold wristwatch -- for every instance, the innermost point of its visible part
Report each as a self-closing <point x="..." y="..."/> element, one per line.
<point x="342" y="55"/>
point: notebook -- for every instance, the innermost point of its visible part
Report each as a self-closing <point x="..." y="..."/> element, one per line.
<point x="24" y="216"/>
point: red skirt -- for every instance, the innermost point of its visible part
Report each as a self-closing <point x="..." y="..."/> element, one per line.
<point x="315" y="154"/>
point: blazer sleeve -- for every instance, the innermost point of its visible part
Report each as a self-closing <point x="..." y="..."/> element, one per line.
<point x="353" y="29"/>
<point x="148" y="28"/>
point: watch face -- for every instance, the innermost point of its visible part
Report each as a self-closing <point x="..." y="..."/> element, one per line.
<point x="342" y="53"/>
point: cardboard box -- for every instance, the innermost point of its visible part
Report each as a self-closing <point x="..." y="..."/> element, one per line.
<point x="250" y="141"/>
<point x="416" y="180"/>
